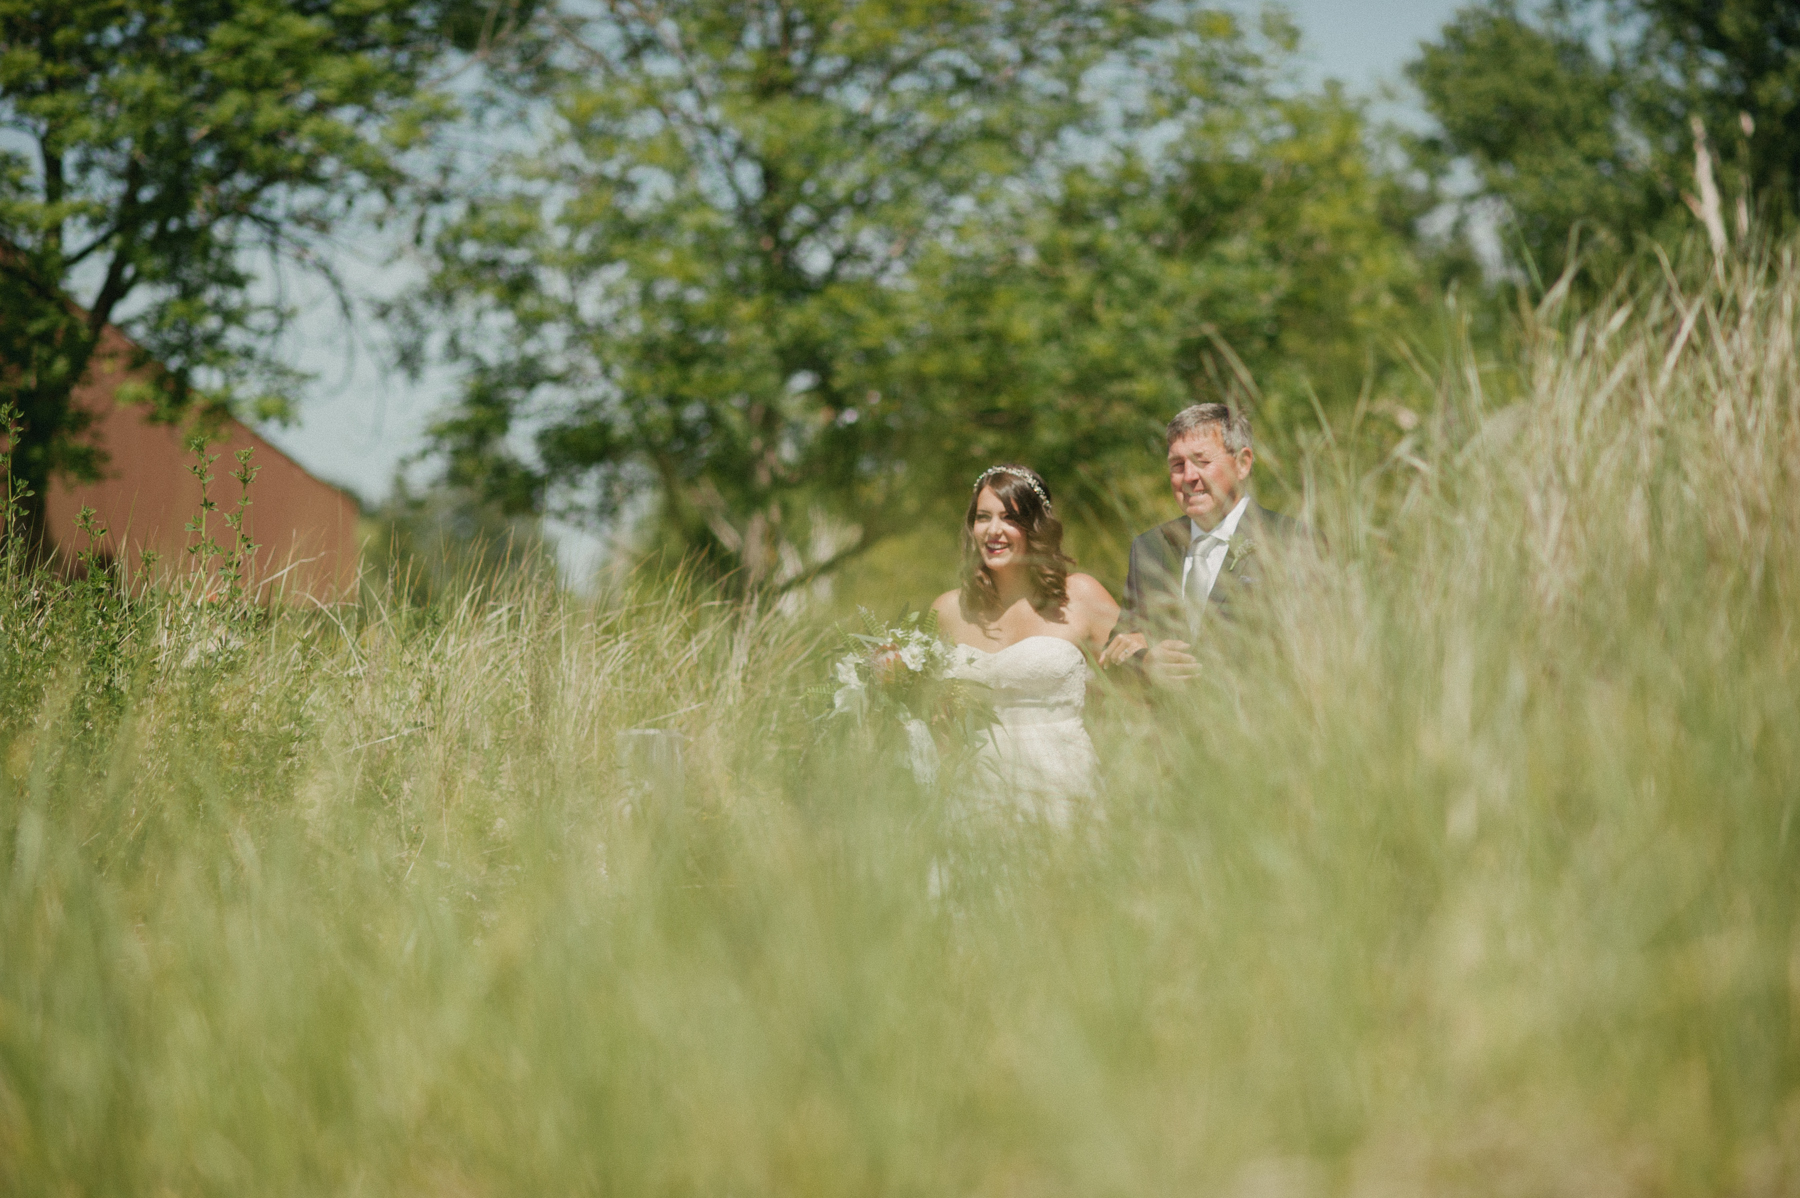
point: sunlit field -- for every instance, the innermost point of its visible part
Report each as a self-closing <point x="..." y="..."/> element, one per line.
<point x="1471" y="869"/>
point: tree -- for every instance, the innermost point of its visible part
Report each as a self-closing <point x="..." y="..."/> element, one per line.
<point x="1260" y="256"/>
<point x="1548" y="127"/>
<point x="785" y="268"/>
<point x="1725" y="60"/>
<point x="152" y="147"/>
<point x="1577" y="120"/>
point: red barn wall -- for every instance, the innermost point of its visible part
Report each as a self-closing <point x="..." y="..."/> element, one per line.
<point x="305" y="528"/>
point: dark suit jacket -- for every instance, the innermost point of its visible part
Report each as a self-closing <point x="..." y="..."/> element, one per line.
<point x="1153" y="601"/>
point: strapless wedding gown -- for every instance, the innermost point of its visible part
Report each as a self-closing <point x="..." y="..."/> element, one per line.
<point x="1036" y="759"/>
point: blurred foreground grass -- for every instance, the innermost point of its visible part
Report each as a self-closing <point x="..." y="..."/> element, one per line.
<point x="1470" y="870"/>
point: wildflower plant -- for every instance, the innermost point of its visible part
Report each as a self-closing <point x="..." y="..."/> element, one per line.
<point x="12" y="511"/>
<point x="230" y="596"/>
<point x="205" y="550"/>
<point x="242" y="553"/>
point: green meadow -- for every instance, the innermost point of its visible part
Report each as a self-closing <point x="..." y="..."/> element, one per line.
<point x="1471" y="868"/>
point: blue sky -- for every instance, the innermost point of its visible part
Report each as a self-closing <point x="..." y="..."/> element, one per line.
<point x="358" y="423"/>
<point x="1364" y="41"/>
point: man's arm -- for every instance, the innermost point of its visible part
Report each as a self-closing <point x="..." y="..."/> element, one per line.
<point x="1131" y="613"/>
<point x="1165" y="661"/>
<point x="1129" y="639"/>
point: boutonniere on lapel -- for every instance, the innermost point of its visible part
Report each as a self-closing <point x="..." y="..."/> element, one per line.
<point x="1241" y="548"/>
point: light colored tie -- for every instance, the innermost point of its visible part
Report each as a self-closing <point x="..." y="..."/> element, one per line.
<point x="1196" y="590"/>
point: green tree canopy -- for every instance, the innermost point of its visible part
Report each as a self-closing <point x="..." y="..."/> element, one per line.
<point x="1724" y="60"/>
<point x="1577" y="118"/>
<point x="790" y="269"/>
<point x="1260" y="256"/>
<point x="151" y="146"/>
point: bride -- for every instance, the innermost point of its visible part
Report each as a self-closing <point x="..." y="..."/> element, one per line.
<point x="1025" y="627"/>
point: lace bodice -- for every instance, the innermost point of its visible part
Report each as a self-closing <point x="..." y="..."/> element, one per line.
<point x="1036" y="759"/>
<point x="1040" y="679"/>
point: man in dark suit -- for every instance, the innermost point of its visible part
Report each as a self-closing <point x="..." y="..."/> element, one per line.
<point x="1195" y="567"/>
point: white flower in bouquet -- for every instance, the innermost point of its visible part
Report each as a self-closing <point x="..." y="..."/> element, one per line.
<point x="851" y="690"/>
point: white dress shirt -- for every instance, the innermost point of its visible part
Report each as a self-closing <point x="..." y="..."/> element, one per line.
<point x="1206" y="555"/>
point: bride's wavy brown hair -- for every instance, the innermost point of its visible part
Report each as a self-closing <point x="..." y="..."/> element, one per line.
<point x="1030" y="509"/>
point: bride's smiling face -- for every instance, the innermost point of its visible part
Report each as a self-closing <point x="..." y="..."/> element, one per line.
<point x="1001" y="542"/>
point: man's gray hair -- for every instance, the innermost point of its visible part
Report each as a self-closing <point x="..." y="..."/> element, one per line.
<point x="1233" y="425"/>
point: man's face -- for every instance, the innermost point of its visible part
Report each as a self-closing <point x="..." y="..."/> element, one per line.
<point x="1207" y="479"/>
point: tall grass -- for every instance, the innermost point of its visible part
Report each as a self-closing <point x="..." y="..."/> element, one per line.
<point x="1470" y="869"/>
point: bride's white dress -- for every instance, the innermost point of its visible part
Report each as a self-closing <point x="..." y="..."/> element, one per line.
<point x="1036" y="759"/>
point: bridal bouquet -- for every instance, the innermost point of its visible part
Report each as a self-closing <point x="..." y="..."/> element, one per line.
<point x="898" y="676"/>
<point x="889" y="665"/>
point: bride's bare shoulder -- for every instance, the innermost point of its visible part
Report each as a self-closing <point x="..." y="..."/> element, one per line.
<point x="948" y="607"/>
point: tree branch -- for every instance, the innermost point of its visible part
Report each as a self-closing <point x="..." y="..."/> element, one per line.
<point x="119" y="282"/>
<point x="865" y="541"/>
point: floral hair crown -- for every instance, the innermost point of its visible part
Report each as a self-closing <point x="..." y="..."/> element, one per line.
<point x="1030" y="481"/>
